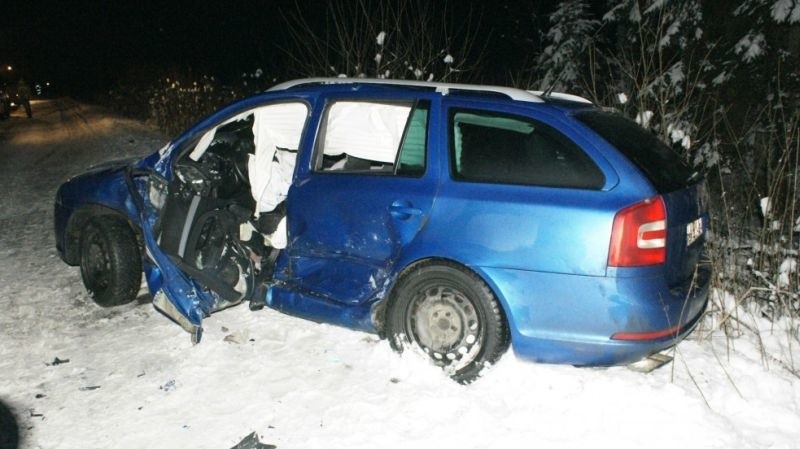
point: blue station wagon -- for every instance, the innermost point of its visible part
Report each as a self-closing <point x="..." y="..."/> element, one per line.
<point x="454" y="219"/>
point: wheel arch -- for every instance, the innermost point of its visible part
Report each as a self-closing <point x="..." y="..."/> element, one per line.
<point x="77" y="222"/>
<point x="380" y="309"/>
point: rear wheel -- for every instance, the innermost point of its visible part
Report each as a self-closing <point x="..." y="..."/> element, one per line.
<point x="451" y="314"/>
<point x="111" y="265"/>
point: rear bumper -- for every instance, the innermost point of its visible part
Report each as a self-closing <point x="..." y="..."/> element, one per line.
<point x="557" y="318"/>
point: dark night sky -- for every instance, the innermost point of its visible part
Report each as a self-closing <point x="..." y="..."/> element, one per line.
<point x="84" y="46"/>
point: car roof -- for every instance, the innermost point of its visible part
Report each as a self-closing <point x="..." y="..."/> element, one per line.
<point x="501" y="92"/>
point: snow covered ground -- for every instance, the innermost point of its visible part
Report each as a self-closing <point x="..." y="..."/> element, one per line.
<point x="133" y="379"/>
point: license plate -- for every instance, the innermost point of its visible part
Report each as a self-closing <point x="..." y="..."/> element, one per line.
<point x="693" y="231"/>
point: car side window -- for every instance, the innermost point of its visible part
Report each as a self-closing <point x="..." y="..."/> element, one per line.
<point x="507" y="149"/>
<point x="373" y="138"/>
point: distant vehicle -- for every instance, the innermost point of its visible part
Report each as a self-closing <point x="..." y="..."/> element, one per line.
<point x="456" y="219"/>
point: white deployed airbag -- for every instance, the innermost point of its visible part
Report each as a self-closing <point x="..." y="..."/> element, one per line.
<point x="277" y="129"/>
<point x="365" y="130"/>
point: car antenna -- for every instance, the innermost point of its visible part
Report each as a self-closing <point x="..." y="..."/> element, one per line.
<point x="552" y="86"/>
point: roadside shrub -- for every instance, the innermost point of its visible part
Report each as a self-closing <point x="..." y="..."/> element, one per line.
<point x="175" y="101"/>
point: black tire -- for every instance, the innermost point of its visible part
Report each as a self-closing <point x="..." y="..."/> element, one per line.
<point x="111" y="264"/>
<point x="470" y="330"/>
<point x="9" y="431"/>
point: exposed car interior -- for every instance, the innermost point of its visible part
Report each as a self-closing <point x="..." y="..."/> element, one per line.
<point x="224" y="219"/>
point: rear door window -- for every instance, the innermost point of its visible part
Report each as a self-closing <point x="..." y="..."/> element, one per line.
<point x="499" y="148"/>
<point x="663" y="167"/>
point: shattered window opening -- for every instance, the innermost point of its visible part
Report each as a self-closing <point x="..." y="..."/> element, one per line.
<point x="375" y="138"/>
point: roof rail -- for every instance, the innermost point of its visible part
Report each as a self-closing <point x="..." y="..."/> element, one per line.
<point x="561" y="96"/>
<point x="443" y="88"/>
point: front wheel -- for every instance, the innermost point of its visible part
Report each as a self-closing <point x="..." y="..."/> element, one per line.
<point x="111" y="264"/>
<point x="451" y="314"/>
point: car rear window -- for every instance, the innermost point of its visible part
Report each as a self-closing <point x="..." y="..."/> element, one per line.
<point x="660" y="164"/>
<point x="500" y="148"/>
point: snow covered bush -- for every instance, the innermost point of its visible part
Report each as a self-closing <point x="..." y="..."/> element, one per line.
<point x="756" y="223"/>
<point x="176" y="104"/>
<point x="176" y="100"/>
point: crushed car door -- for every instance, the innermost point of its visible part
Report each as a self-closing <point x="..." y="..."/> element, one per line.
<point x="364" y="196"/>
<point x="226" y="181"/>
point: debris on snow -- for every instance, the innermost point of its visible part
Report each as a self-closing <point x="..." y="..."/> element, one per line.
<point x="235" y="337"/>
<point x="56" y="361"/>
<point x="171" y="385"/>
<point x="251" y="442"/>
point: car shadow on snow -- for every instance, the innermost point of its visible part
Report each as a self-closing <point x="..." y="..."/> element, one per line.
<point x="9" y="430"/>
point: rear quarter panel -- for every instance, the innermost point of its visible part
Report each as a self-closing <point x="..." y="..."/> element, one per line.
<point x="544" y="229"/>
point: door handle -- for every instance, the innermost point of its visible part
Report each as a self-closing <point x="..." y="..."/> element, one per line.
<point x="403" y="210"/>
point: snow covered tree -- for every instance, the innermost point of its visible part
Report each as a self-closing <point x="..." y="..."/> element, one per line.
<point x="762" y="45"/>
<point x="562" y="66"/>
<point x="756" y="80"/>
<point x="657" y="59"/>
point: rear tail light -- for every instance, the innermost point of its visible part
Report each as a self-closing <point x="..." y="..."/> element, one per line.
<point x="639" y="235"/>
